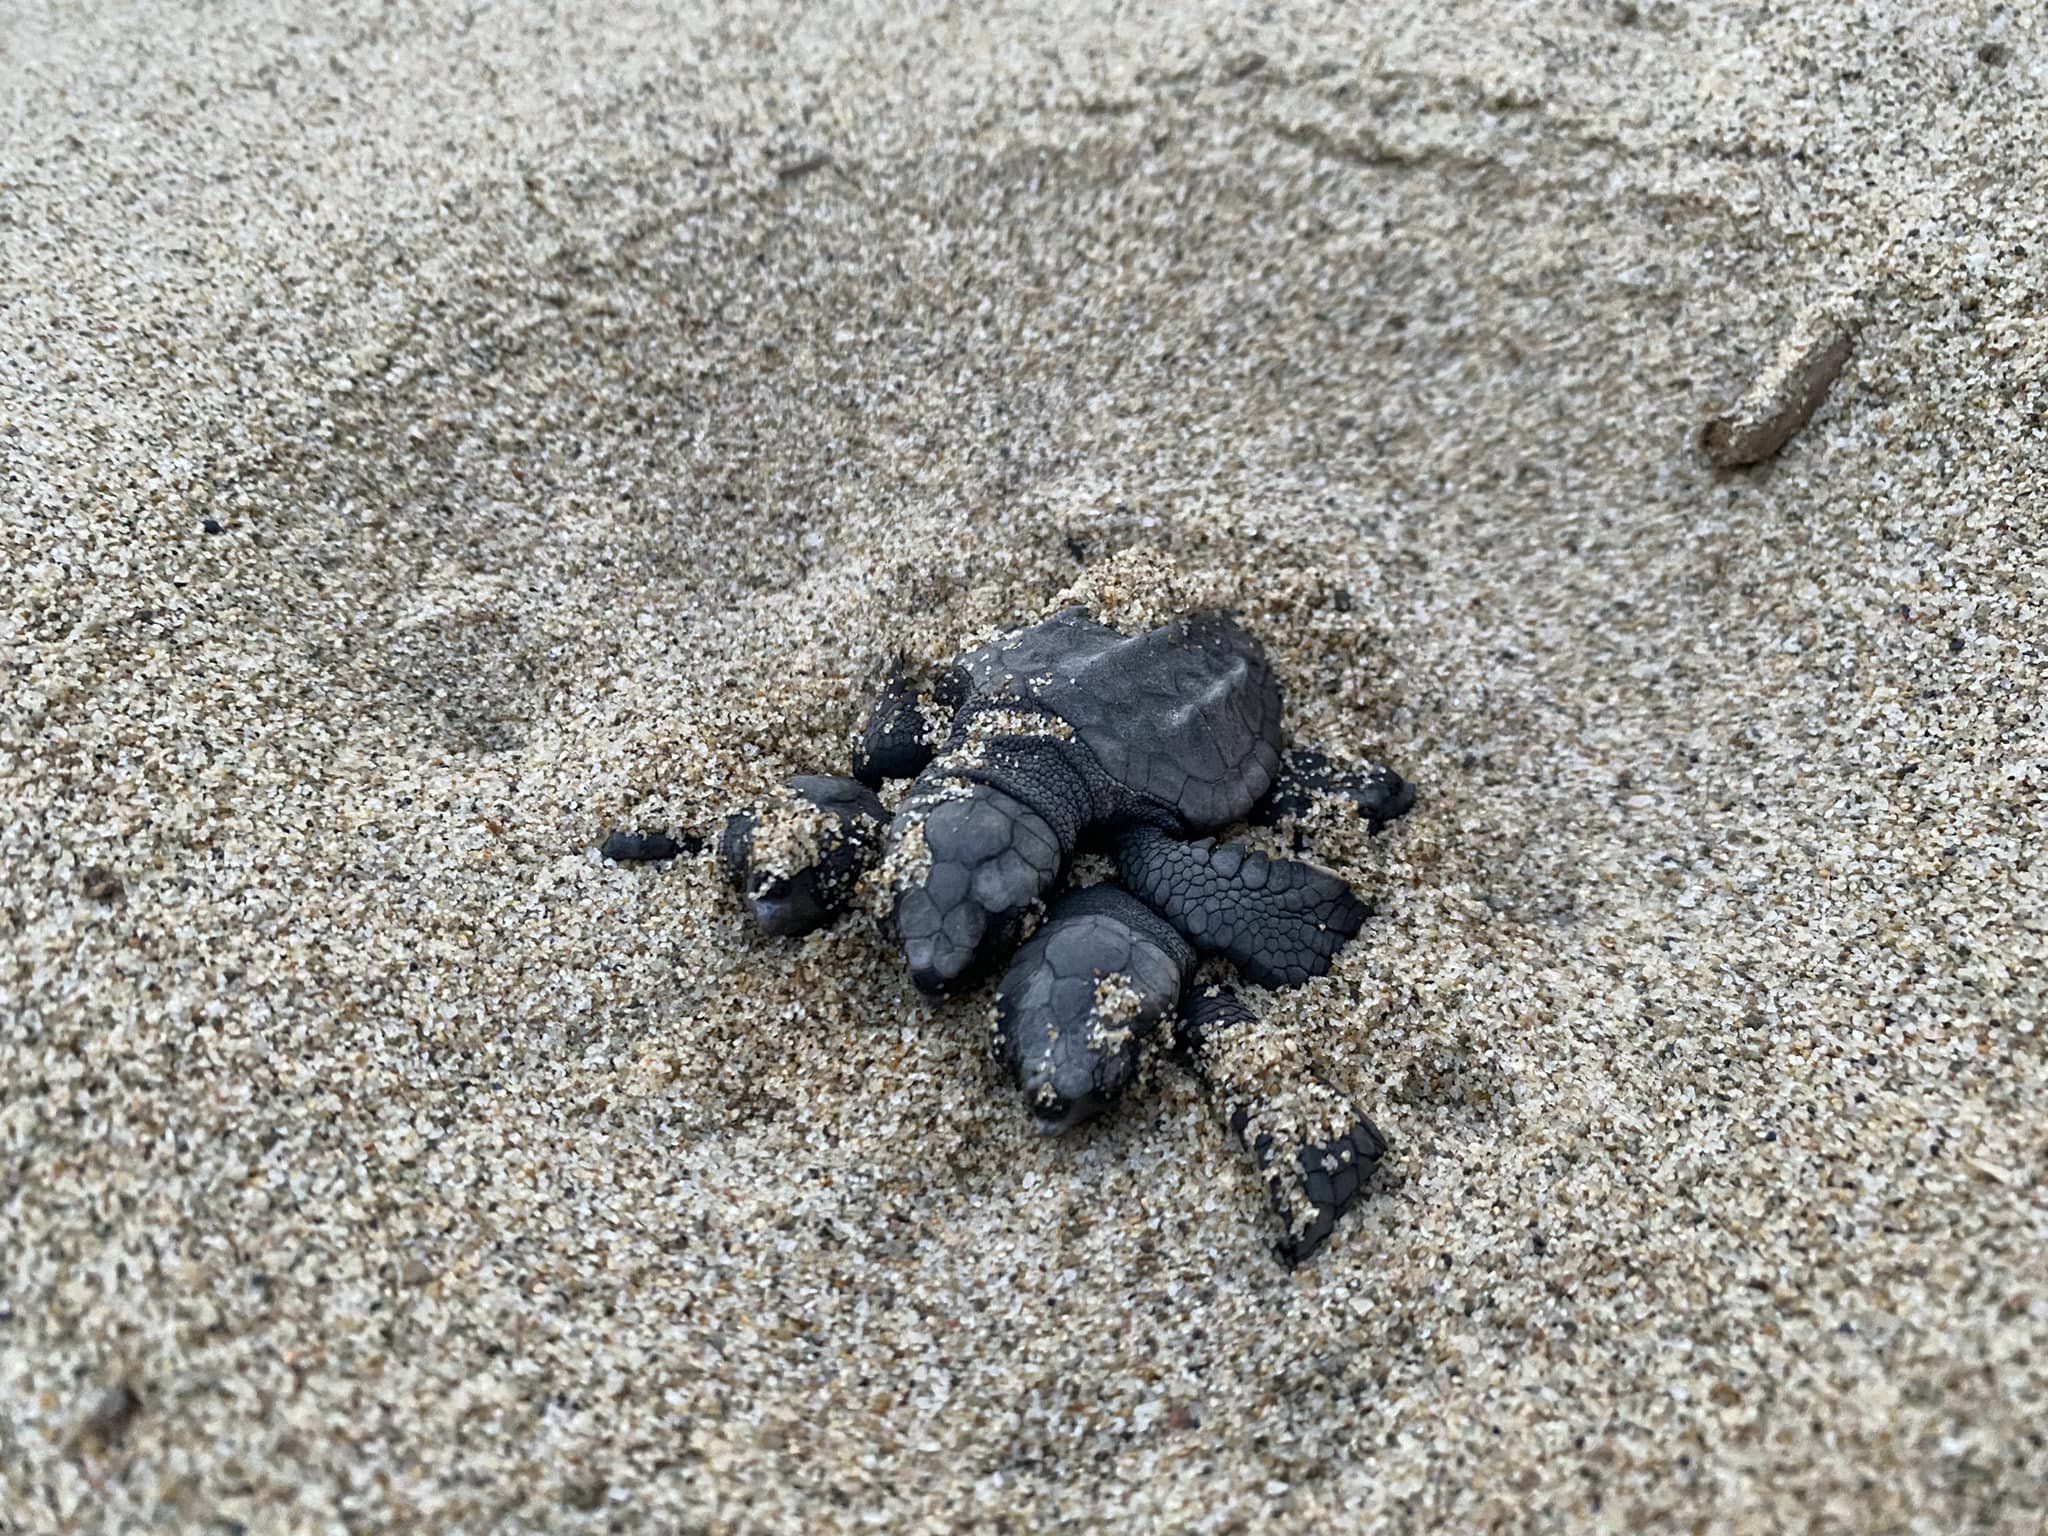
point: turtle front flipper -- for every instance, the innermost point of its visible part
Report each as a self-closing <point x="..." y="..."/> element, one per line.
<point x="909" y="722"/>
<point x="1314" y="1147"/>
<point x="1377" y="793"/>
<point x="1279" y="921"/>
<point x="1082" y="997"/>
<point x="796" y="860"/>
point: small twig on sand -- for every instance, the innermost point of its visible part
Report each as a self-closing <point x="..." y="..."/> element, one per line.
<point x="797" y="170"/>
<point x="1785" y="395"/>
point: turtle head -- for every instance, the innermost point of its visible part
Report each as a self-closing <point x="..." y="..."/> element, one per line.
<point x="1063" y="1043"/>
<point x="786" y="907"/>
<point x="1078" y="1003"/>
<point x="1053" y="1112"/>
<point x="969" y="863"/>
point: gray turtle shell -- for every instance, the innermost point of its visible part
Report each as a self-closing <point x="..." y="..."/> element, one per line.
<point x="1187" y="715"/>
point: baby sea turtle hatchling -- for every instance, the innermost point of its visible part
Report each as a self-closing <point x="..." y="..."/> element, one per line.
<point x="1065" y="735"/>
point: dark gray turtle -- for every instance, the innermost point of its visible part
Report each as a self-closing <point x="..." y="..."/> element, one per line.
<point x="1146" y="741"/>
<point x="1065" y="733"/>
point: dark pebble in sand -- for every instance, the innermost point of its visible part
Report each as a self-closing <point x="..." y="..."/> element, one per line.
<point x="107" y="1423"/>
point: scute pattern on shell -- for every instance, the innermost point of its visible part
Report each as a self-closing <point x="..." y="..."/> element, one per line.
<point x="1187" y="714"/>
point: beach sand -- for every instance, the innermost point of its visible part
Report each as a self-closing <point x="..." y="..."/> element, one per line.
<point x="588" y="400"/>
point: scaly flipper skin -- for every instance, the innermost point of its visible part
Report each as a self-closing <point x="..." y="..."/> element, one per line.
<point x="1313" y="1146"/>
<point x="796" y="861"/>
<point x="1082" y="998"/>
<point x="1278" y="921"/>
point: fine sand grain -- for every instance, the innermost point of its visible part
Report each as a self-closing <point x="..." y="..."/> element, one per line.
<point x="432" y="437"/>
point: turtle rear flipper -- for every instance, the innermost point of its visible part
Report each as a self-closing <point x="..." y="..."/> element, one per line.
<point x="1375" y="792"/>
<point x="1313" y="1146"/>
<point x="1279" y="921"/>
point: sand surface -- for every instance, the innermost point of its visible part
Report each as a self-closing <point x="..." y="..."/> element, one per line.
<point x="590" y="396"/>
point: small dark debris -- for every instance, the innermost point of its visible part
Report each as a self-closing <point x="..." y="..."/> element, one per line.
<point x="1781" y="400"/>
<point x="649" y="847"/>
<point x="102" y="884"/>
<point x="107" y="1425"/>
<point x="1077" y="549"/>
<point x="797" y="170"/>
<point x="584" y="1493"/>
<point x="1955" y="645"/>
<point x="213" y="525"/>
<point x="1993" y="53"/>
<point x="1537" y="1244"/>
<point x="1244" y="66"/>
